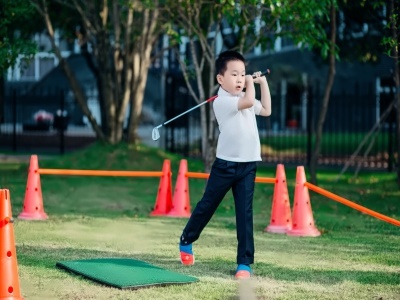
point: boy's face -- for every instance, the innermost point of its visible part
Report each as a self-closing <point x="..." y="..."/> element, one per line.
<point x="233" y="80"/>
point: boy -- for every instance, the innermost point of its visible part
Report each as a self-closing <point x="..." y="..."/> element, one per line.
<point x="238" y="150"/>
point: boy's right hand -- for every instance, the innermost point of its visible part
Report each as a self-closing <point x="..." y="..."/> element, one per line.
<point x="248" y="79"/>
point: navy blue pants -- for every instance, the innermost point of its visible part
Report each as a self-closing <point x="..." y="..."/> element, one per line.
<point x="225" y="175"/>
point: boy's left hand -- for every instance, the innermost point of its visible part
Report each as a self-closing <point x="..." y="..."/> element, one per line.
<point x="257" y="78"/>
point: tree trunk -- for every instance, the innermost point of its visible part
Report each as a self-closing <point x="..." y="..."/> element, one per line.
<point x="2" y="97"/>
<point x="141" y="61"/>
<point x="138" y="88"/>
<point x="396" y="76"/>
<point x="76" y="88"/>
<point x="325" y="100"/>
<point x="210" y="153"/>
<point x="208" y="143"/>
<point x="208" y="122"/>
<point x="110" y="108"/>
<point x="108" y="90"/>
<point x="111" y="88"/>
<point x="95" y="70"/>
<point x="81" y="98"/>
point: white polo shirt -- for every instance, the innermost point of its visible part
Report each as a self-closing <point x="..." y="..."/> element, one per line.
<point x="238" y="139"/>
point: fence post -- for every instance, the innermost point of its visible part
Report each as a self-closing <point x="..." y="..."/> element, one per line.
<point x="61" y="131"/>
<point x="390" y="146"/>
<point x="14" y="113"/>
<point x="311" y="95"/>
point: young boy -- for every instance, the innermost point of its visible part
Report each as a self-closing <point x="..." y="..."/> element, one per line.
<point x="238" y="150"/>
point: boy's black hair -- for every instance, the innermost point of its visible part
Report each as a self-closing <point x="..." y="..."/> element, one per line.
<point x="225" y="57"/>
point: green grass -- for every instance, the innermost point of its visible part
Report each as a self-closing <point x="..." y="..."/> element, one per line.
<point x="336" y="143"/>
<point x="356" y="257"/>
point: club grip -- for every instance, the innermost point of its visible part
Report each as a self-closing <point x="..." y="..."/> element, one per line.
<point x="267" y="71"/>
<point x="212" y="98"/>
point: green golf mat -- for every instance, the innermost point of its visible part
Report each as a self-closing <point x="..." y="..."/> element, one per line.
<point x="124" y="273"/>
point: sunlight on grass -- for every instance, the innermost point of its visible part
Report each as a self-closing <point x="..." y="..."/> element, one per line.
<point x="356" y="257"/>
<point x="288" y="268"/>
<point x="268" y="150"/>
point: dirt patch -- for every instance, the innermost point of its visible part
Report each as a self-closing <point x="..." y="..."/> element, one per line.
<point x="9" y="158"/>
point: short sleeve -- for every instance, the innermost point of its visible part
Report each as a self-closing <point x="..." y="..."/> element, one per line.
<point x="257" y="107"/>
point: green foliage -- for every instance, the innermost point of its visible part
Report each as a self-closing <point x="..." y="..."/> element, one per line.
<point x="391" y="41"/>
<point x="17" y="25"/>
<point x="360" y="30"/>
<point x="256" y="23"/>
<point x="304" y="22"/>
<point x="340" y="143"/>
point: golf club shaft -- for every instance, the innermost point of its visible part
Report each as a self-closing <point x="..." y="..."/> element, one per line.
<point x="189" y="110"/>
<point x="198" y="105"/>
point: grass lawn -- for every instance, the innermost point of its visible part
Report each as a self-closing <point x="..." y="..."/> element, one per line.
<point x="344" y="143"/>
<point x="356" y="257"/>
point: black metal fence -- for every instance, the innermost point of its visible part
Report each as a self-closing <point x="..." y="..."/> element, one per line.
<point x="288" y="135"/>
<point x="45" y="121"/>
<point x="50" y="121"/>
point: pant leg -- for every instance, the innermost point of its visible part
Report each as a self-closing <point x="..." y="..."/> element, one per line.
<point x="220" y="181"/>
<point x="243" y="192"/>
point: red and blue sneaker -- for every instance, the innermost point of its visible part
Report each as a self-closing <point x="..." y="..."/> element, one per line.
<point x="243" y="272"/>
<point x="187" y="256"/>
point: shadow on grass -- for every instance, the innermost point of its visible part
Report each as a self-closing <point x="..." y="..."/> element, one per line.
<point x="328" y="276"/>
<point x="47" y="257"/>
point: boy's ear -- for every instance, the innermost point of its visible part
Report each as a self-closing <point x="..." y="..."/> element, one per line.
<point x="219" y="78"/>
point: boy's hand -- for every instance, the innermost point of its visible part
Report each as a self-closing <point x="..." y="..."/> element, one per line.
<point x="257" y="78"/>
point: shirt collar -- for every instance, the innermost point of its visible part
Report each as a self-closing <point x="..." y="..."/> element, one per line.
<point x="222" y="92"/>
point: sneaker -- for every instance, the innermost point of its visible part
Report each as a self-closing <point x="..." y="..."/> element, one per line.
<point x="187" y="256"/>
<point x="243" y="272"/>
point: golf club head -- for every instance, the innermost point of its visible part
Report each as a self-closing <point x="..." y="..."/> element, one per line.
<point x="155" y="135"/>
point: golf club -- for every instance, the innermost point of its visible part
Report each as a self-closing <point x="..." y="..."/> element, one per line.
<point x="156" y="134"/>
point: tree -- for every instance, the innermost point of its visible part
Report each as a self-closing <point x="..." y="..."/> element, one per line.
<point x="17" y="25"/>
<point x="122" y="34"/>
<point x="197" y="20"/>
<point x="16" y="29"/>
<point x="360" y="30"/>
<point x="202" y="23"/>
<point x="392" y="42"/>
<point x="252" y="23"/>
<point x="369" y="29"/>
<point x="327" y="92"/>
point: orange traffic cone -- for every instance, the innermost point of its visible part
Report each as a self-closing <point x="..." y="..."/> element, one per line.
<point x="281" y="217"/>
<point x="181" y="201"/>
<point x="164" y="196"/>
<point x="303" y="220"/>
<point x="33" y="203"/>
<point x="9" y="280"/>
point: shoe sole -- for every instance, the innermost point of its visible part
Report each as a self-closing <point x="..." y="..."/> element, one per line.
<point x="186" y="264"/>
<point x="242" y="274"/>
